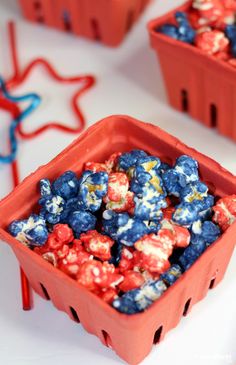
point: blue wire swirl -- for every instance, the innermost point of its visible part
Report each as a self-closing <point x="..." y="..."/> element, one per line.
<point x="34" y="100"/>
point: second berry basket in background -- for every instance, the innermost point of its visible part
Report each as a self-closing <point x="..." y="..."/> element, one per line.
<point x="130" y="336"/>
<point x="107" y="21"/>
<point x="197" y="83"/>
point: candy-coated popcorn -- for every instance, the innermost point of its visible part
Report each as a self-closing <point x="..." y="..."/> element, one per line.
<point x="128" y="160"/>
<point x="95" y="275"/>
<point x="81" y="221"/>
<point x="66" y="185"/>
<point x="127" y="260"/>
<point x="132" y="280"/>
<point x="206" y="231"/>
<point x="138" y="300"/>
<point x="171" y="275"/>
<point x="95" y="167"/>
<point x="97" y="244"/>
<point x="155" y="251"/>
<point x="93" y="187"/>
<point x="108" y="295"/>
<point x="61" y="234"/>
<point x="31" y="231"/>
<point x="212" y="42"/>
<point x="122" y="228"/>
<point x="112" y="162"/>
<point x="225" y="212"/>
<point x="181" y="234"/>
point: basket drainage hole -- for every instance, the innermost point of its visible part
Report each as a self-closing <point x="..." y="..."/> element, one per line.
<point x="186" y="307"/>
<point x="212" y="283"/>
<point x="157" y="336"/>
<point x="74" y="315"/>
<point x="45" y="292"/>
<point x="130" y="20"/>
<point x="213" y="115"/>
<point x="184" y="100"/>
<point x="95" y="29"/>
<point x="67" y="20"/>
<point x="107" y="339"/>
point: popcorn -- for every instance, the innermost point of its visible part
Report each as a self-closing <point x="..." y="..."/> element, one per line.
<point x="171" y="275"/>
<point x="184" y="172"/>
<point x="31" y="231"/>
<point x="127" y="258"/>
<point x="183" y="31"/>
<point x="92" y="188"/>
<point x="95" y="276"/>
<point x="66" y="185"/>
<point x="128" y="160"/>
<point x="122" y="228"/>
<point x="212" y="42"/>
<point x="225" y="212"/>
<point x="118" y="197"/>
<point x="97" y="244"/>
<point x="132" y="280"/>
<point x="81" y="221"/>
<point x="138" y="300"/>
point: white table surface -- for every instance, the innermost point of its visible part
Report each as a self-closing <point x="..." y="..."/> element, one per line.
<point x="128" y="82"/>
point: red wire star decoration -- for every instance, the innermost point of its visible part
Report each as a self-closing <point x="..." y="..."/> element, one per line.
<point x="19" y="77"/>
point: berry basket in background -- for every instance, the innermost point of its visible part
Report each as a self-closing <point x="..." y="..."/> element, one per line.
<point x="107" y="21"/>
<point x="130" y="336"/>
<point x="197" y="83"/>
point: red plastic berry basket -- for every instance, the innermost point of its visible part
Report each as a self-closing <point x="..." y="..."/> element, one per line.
<point x="132" y="337"/>
<point x="107" y="21"/>
<point x="196" y="83"/>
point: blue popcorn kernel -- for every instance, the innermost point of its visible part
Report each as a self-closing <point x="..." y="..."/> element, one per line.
<point x="146" y="209"/>
<point x="192" y="253"/>
<point x="169" y="30"/>
<point x="81" y="221"/>
<point x="93" y="187"/>
<point x="53" y="208"/>
<point x="185" y="31"/>
<point x="129" y="159"/>
<point x="164" y="168"/>
<point x="45" y="187"/>
<point x="31" y="231"/>
<point x="207" y="231"/>
<point x="122" y="228"/>
<point x="66" y="185"/>
<point x="173" y="182"/>
<point x="126" y="303"/>
<point x="185" y="214"/>
<point x="194" y="191"/>
<point x="138" y="300"/>
<point x="171" y="275"/>
<point x="188" y="168"/>
<point x="230" y="32"/>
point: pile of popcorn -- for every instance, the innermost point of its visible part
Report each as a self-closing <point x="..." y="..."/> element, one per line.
<point x="210" y="25"/>
<point x="128" y="228"/>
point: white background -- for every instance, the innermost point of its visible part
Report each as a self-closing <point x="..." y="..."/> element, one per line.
<point x="128" y="82"/>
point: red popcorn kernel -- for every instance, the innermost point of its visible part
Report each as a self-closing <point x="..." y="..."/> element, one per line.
<point x="225" y="212"/>
<point x="132" y="280"/>
<point x="155" y="251"/>
<point x="212" y="42"/>
<point x="118" y="186"/>
<point x="95" y="275"/>
<point x="127" y="261"/>
<point x="168" y="212"/>
<point x="95" y="167"/>
<point x="108" y="295"/>
<point x="209" y="9"/>
<point x="97" y="244"/>
<point x="181" y="234"/>
<point x="112" y="161"/>
<point x="61" y="234"/>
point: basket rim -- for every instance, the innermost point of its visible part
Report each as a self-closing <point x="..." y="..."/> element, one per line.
<point x="125" y="319"/>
